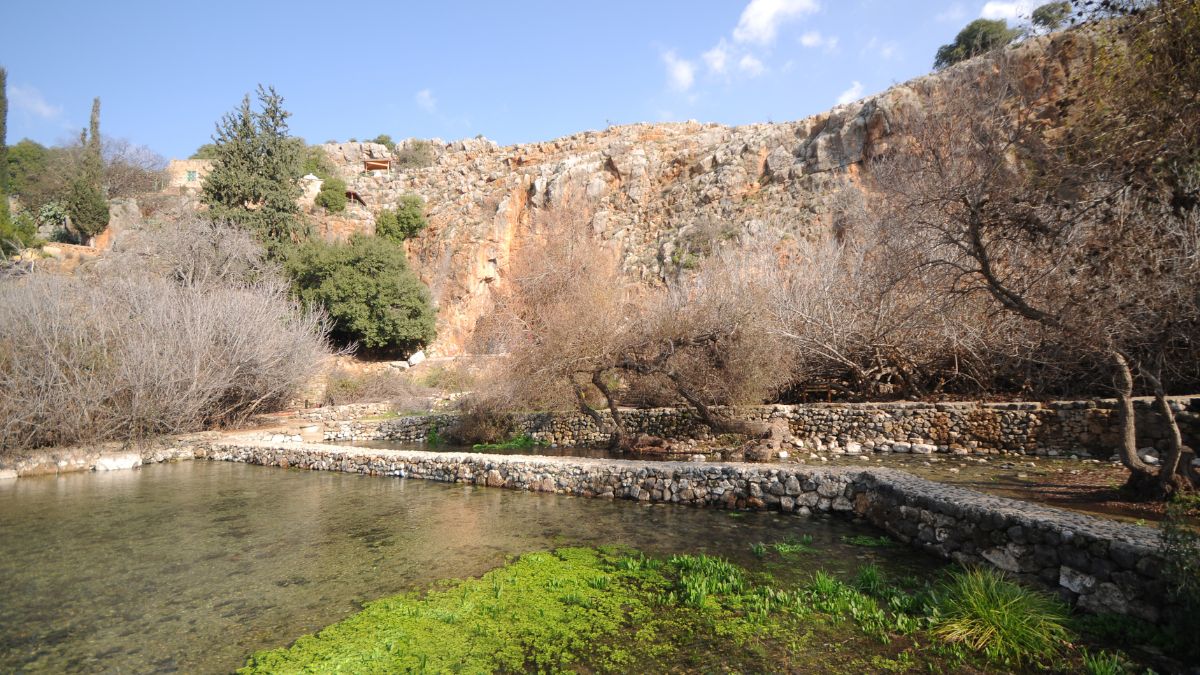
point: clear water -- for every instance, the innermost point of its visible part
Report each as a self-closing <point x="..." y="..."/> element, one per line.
<point x="597" y="452"/>
<point x="193" y="566"/>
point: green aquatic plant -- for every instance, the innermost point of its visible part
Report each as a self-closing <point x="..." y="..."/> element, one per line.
<point x="520" y="442"/>
<point x="882" y="541"/>
<point x="1007" y="622"/>
<point x="790" y="546"/>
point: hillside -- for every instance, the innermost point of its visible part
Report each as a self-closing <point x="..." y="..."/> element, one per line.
<point x="659" y="193"/>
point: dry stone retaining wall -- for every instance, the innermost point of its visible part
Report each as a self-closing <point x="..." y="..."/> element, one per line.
<point x="1102" y="565"/>
<point x="1057" y="428"/>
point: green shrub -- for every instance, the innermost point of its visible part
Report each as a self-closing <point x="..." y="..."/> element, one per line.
<point x="317" y="163"/>
<point x="17" y="233"/>
<point x="1007" y="622"/>
<point x="332" y="195"/>
<point x="415" y="155"/>
<point x="403" y="223"/>
<point x="87" y="207"/>
<point x="383" y="139"/>
<point x="367" y="289"/>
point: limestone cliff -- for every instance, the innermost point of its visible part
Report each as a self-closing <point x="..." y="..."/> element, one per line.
<point x="652" y="189"/>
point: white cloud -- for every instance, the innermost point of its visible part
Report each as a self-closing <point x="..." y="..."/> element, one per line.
<point x="882" y="49"/>
<point x="761" y="19"/>
<point x="681" y="73"/>
<point x="751" y="65"/>
<point x="426" y="101"/>
<point x="852" y="94"/>
<point x="717" y="58"/>
<point x="952" y="14"/>
<point x="31" y="101"/>
<point x="813" y="39"/>
<point x="1011" y="10"/>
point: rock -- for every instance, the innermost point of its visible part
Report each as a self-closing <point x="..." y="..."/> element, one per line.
<point x="416" y="358"/>
<point x="117" y="462"/>
<point x="696" y="458"/>
<point x="1075" y="581"/>
<point x="7" y="474"/>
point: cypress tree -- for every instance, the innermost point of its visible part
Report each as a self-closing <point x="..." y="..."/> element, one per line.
<point x="85" y="198"/>
<point x="4" y="215"/>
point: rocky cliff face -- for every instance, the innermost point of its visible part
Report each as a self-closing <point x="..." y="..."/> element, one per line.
<point x="653" y="192"/>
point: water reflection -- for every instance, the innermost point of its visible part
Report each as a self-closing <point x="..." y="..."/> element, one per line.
<point x="193" y="566"/>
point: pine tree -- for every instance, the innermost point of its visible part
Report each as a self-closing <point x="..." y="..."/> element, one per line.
<point x="255" y="178"/>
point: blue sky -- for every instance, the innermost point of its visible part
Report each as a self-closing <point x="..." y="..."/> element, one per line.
<point x="514" y="72"/>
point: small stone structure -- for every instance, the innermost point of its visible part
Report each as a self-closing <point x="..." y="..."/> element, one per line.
<point x="186" y="176"/>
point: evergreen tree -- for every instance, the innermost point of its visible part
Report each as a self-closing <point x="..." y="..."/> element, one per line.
<point x="368" y="290"/>
<point x="978" y="37"/>
<point x="4" y="215"/>
<point x="255" y="178"/>
<point x="85" y="196"/>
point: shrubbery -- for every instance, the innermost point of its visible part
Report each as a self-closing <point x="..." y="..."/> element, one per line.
<point x="414" y="154"/>
<point x="115" y="355"/>
<point x="403" y="223"/>
<point x="368" y="290"/>
<point x="332" y="195"/>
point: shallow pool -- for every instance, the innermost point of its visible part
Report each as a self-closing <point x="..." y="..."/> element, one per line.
<point x="193" y="566"/>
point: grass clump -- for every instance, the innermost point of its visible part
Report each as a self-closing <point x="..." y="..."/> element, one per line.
<point x="1009" y="623"/>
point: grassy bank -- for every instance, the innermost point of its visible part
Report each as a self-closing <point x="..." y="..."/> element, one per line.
<point x="619" y="611"/>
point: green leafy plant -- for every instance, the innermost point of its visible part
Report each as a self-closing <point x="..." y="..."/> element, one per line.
<point x="405" y="222"/>
<point x="1104" y="663"/>
<point x="367" y="289"/>
<point x="1007" y="622"/>
<point x="515" y="443"/>
<point x="332" y="196"/>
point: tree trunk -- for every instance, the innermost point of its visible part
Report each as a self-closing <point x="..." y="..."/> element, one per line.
<point x="602" y="424"/>
<point x="1170" y="480"/>
<point x="1141" y="478"/>
<point x="718" y="423"/>
<point x="617" y="437"/>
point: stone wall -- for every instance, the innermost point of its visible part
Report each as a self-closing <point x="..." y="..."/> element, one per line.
<point x="103" y="457"/>
<point x="1102" y="565"/>
<point x="1056" y="428"/>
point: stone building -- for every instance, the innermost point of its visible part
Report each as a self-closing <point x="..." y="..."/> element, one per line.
<point x="185" y="176"/>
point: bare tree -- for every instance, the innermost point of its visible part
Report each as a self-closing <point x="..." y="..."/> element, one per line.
<point x="563" y="320"/>
<point x="131" y="169"/>
<point x="1055" y="229"/>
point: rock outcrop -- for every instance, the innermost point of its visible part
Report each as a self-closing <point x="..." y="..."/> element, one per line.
<point x="655" y="193"/>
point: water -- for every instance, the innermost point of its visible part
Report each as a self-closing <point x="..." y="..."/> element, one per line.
<point x="593" y="451"/>
<point x="194" y="566"/>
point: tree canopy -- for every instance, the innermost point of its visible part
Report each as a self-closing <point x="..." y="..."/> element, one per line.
<point x="368" y="290"/>
<point x="255" y="178"/>
<point x="978" y="37"/>
<point x="404" y="222"/>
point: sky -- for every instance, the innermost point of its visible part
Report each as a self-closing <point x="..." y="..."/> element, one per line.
<point x="514" y="72"/>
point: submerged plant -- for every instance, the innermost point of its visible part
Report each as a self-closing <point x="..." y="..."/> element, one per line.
<point x="882" y="541"/>
<point x="790" y="546"/>
<point x="1007" y="622"/>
